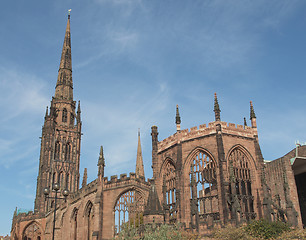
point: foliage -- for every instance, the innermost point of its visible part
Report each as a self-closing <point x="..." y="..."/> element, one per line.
<point x="152" y="232"/>
<point x="232" y="233"/>
<point x="259" y="230"/>
<point x="265" y="229"/>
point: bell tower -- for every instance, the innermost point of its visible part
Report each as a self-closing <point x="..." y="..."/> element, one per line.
<point x="61" y="135"/>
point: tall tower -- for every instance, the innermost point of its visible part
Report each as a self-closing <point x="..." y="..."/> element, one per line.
<point x="61" y="135"/>
<point x="139" y="160"/>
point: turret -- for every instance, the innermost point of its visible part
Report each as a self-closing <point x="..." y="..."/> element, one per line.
<point x="79" y="113"/>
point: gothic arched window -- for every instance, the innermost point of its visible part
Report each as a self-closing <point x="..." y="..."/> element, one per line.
<point x="169" y="190"/>
<point x="242" y="201"/>
<point x="129" y="208"/>
<point x="89" y="222"/>
<point x="65" y="114"/>
<point x="204" y="189"/>
<point x="68" y="152"/>
<point x="71" y="119"/>
<point x="57" y="150"/>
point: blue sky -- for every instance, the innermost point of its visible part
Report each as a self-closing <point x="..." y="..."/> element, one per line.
<point x="133" y="61"/>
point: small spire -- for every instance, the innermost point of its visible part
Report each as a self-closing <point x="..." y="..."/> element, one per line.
<point x="139" y="160"/>
<point x="84" y="183"/>
<point x="46" y="112"/>
<point x="217" y="109"/>
<point x="79" y="112"/>
<point x="252" y="113"/>
<point x="245" y="122"/>
<point x="178" y="119"/>
<point x="101" y="161"/>
<point x="153" y="206"/>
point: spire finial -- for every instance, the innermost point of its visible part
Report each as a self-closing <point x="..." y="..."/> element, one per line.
<point x="69" y="11"/>
<point x="46" y="112"/>
<point x="79" y="112"/>
<point x="101" y="160"/>
<point x="252" y="112"/>
<point x="245" y="122"/>
<point x="139" y="160"/>
<point x="84" y="183"/>
<point x="217" y="109"/>
<point x="178" y="119"/>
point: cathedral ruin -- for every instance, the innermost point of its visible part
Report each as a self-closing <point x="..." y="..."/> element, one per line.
<point x="204" y="177"/>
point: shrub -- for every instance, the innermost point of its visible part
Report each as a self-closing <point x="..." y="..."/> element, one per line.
<point x="232" y="233"/>
<point x="265" y="229"/>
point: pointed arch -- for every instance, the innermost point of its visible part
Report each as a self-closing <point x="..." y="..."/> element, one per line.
<point x="74" y="223"/>
<point x="68" y="151"/>
<point x="245" y="151"/>
<point x="201" y="169"/>
<point x="128" y="208"/>
<point x="88" y="215"/>
<point x="241" y="169"/>
<point x="168" y="176"/>
<point x="32" y="230"/>
<point x="57" y="150"/>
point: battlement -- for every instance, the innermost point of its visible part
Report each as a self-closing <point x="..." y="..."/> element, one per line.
<point x="205" y="130"/>
<point x="123" y="180"/>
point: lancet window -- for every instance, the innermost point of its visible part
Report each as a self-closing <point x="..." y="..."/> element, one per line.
<point x="65" y="113"/>
<point x="75" y="224"/>
<point x="242" y="201"/>
<point x="204" y="190"/>
<point x="89" y="222"/>
<point x="57" y="150"/>
<point x="68" y="152"/>
<point x="129" y="210"/>
<point x="169" y="190"/>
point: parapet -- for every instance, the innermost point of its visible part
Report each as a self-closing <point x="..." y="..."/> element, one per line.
<point x="205" y="130"/>
<point x="123" y="180"/>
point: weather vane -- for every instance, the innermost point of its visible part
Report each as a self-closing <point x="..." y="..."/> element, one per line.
<point x="69" y="12"/>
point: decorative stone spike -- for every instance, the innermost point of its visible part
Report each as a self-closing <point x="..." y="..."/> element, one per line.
<point x="217" y="109"/>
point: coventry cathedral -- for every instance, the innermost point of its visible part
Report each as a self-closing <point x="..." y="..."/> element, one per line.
<point x="204" y="177"/>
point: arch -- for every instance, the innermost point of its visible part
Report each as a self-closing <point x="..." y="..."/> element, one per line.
<point x="64" y="116"/>
<point x="88" y="215"/>
<point x="57" y="150"/>
<point x="68" y="151"/>
<point x="201" y="169"/>
<point x="245" y="151"/>
<point x="32" y="230"/>
<point x="74" y="222"/>
<point x="166" y="161"/>
<point x="168" y="176"/>
<point x="241" y="173"/>
<point x="128" y="208"/>
<point x="193" y="153"/>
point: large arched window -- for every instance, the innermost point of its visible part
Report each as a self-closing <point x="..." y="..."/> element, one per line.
<point x="32" y="231"/>
<point x="203" y="187"/>
<point x="65" y="114"/>
<point x="242" y="201"/>
<point x="169" y="190"/>
<point x="129" y="209"/>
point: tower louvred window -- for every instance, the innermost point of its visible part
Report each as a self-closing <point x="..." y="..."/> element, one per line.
<point x="64" y="118"/>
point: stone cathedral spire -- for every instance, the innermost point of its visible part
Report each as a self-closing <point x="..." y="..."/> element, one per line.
<point x="64" y="85"/>
<point x="139" y="160"/>
<point x="61" y="135"/>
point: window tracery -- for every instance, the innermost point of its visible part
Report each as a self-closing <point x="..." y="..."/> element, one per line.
<point x="129" y="209"/>
<point x="204" y="190"/>
<point x="64" y="117"/>
<point x="169" y="190"/>
<point x="242" y="200"/>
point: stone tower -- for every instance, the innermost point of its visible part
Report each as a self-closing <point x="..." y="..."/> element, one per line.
<point x="61" y="135"/>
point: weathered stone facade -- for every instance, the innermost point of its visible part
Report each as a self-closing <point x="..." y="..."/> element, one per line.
<point x="204" y="177"/>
